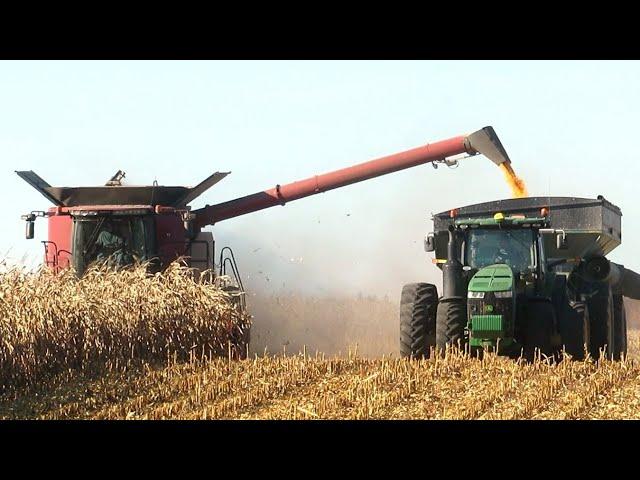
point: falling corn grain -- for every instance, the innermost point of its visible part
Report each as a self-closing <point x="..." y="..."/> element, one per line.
<point x="518" y="188"/>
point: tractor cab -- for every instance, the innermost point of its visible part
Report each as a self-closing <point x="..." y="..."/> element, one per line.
<point x="511" y="242"/>
<point x="489" y="246"/>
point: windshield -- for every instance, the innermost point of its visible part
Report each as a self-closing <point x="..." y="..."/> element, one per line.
<point x="115" y="240"/>
<point x="512" y="247"/>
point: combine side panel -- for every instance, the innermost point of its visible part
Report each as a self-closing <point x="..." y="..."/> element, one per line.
<point x="58" y="247"/>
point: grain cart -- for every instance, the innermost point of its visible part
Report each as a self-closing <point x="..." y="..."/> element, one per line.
<point x="119" y="224"/>
<point x="523" y="275"/>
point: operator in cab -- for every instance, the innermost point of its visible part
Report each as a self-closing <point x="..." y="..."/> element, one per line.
<point x="502" y="247"/>
<point x="111" y="247"/>
<point x="511" y="252"/>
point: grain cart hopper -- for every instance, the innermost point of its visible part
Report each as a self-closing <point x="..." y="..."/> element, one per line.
<point x="523" y="275"/>
<point x="118" y="223"/>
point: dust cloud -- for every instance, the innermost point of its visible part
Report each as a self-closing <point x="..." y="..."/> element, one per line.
<point x="297" y="304"/>
<point x="333" y="325"/>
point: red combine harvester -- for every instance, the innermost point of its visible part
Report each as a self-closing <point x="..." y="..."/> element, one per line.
<point x="155" y="222"/>
<point x="120" y="223"/>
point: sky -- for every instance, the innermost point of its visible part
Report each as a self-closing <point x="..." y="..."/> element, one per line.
<point x="570" y="128"/>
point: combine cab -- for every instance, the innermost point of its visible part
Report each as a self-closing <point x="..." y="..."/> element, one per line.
<point x="520" y="276"/>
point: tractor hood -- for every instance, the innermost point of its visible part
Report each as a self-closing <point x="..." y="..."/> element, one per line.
<point x="492" y="278"/>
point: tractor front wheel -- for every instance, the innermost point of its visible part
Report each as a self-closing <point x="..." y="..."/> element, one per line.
<point x="451" y="321"/>
<point x="418" y="304"/>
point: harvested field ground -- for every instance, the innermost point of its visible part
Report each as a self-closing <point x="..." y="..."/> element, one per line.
<point x="156" y="361"/>
<point x="310" y="387"/>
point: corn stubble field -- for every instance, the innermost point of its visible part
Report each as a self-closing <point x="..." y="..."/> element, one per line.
<point x="115" y="346"/>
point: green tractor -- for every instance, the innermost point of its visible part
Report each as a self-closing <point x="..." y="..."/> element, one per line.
<point x="522" y="276"/>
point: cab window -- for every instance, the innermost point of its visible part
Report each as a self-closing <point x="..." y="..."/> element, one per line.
<point x="515" y="248"/>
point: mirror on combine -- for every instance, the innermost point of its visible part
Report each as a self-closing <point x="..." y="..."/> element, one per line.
<point x="30" y="230"/>
<point x="30" y="218"/>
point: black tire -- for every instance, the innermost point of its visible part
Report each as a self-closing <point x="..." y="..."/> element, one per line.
<point x="538" y="328"/>
<point x="573" y="323"/>
<point x="619" y="328"/>
<point x="418" y="305"/>
<point x="559" y="296"/>
<point x="601" y="320"/>
<point x="451" y="320"/>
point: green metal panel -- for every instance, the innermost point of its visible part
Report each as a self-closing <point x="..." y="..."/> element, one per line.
<point x="487" y="326"/>
<point x="493" y="278"/>
<point x="493" y="342"/>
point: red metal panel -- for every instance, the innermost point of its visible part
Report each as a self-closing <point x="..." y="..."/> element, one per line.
<point x="339" y="178"/>
<point x="170" y="236"/>
<point x="100" y="208"/>
<point x="58" y="252"/>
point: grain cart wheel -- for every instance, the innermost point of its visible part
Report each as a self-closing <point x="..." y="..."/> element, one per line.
<point x="538" y="328"/>
<point x="570" y="321"/>
<point x="619" y="328"/>
<point x="418" y="304"/>
<point x="451" y="320"/>
<point x="601" y="321"/>
<point x="573" y="321"/>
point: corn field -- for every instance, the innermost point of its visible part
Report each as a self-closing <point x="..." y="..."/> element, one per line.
<point x="307" y="386"/>
<point x="52" y="323"/>
<point x="132" y="346"/>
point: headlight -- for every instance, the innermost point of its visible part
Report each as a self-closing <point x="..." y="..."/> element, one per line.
<point x="475" y="295"/>
<point x="505" y="294"/>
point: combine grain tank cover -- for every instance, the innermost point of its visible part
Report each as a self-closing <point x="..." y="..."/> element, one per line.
<point x="593" y="226"/>
<point x="170" y="196"/>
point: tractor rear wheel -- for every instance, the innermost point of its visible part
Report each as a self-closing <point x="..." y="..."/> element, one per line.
<point x="418" y="304"/>
<point x="619" y="328"/>
<point x="601" y="322"/>
<point x="451" y="320"/>
<point x="538" y="328"/>
<point x="573" y="319"/>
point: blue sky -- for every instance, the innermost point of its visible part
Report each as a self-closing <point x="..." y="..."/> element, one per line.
<point x="570" y="128"/>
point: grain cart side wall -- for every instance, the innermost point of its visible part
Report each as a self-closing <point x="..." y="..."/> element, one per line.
<point x="592" y="226"/>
